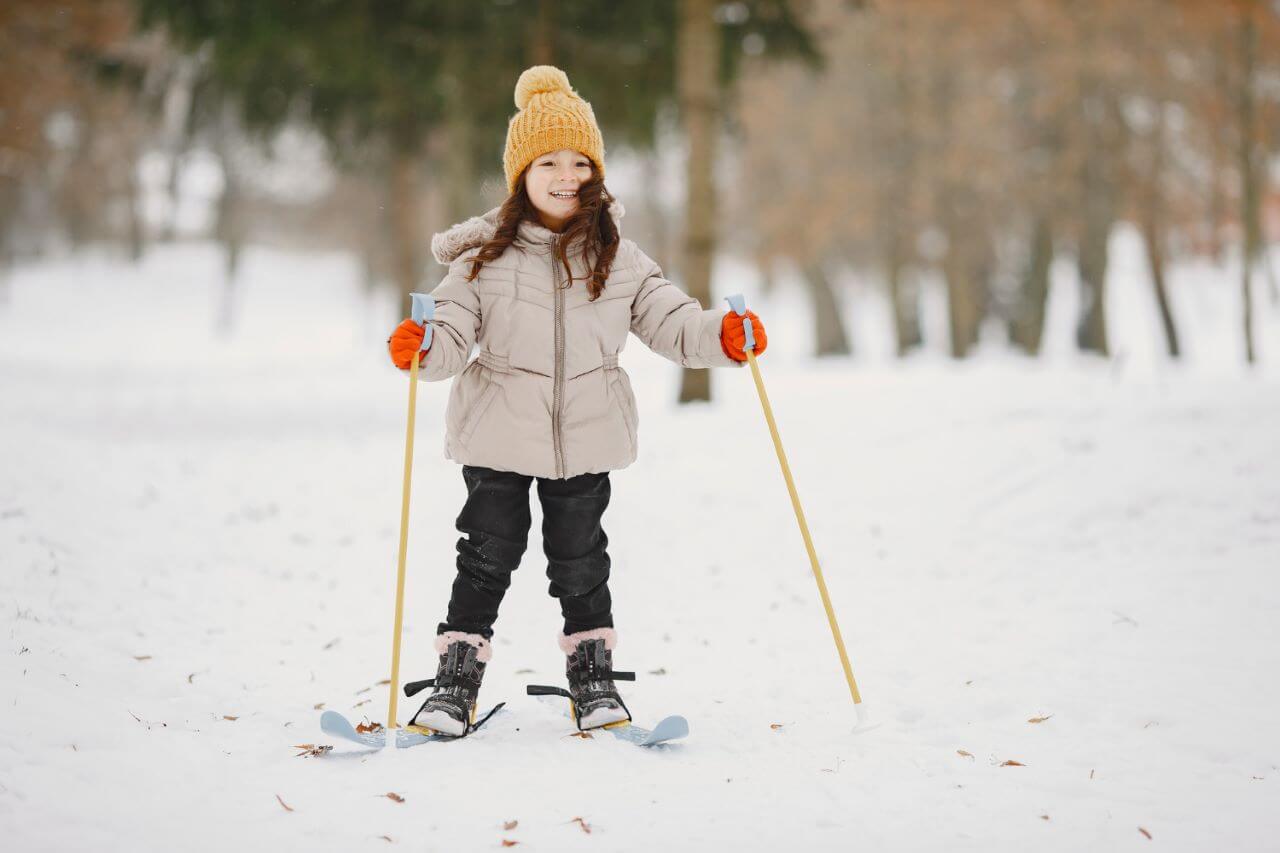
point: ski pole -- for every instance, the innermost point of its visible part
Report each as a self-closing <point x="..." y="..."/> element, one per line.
<point x="739" y="306"/>
<point x="423" y="308"/>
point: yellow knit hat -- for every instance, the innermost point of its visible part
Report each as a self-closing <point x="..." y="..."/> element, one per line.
<point x="552" y="116"/>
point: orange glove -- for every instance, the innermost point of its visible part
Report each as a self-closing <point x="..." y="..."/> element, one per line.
<point x="733" y="337"/>
<point x="404" y="342"/>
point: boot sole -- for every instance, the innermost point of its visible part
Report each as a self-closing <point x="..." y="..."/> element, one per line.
<point x="440" y="723"/>
<point x="602" y="717"/>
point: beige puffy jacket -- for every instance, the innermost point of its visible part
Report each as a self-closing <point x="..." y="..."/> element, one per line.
<point x="545" y="395"/>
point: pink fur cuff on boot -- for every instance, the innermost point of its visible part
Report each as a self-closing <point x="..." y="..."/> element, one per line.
<point x="569" y="643"/>
<point x="483" y="650"/>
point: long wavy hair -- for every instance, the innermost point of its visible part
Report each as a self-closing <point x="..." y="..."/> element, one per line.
<point x="591" y="228"/>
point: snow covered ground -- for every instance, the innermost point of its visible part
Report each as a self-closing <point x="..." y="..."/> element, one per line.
<point x="197" y="549"/>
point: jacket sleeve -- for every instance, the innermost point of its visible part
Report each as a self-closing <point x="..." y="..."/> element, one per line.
<point x="673" y="324"/>
<point x="455" y="325"/>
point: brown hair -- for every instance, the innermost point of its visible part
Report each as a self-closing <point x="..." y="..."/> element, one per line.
<point x="591" y="226"/>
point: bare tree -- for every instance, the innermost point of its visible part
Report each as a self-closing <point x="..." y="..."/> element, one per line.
<point x="698" y="60"/>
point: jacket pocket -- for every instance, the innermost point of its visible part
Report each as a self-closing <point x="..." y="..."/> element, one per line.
<point x="621" y="389"/>
<point x="472" y="416"/>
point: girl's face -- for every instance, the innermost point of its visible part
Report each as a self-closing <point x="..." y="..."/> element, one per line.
<point x="552" y="184"/>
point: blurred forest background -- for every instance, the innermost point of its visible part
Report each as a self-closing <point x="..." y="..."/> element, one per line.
<point x="967" y="147"/>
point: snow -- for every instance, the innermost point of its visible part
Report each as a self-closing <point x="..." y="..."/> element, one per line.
<point x="196" y="527"/>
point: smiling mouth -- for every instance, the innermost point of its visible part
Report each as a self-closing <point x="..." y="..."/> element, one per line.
<point x="563" y="195"/>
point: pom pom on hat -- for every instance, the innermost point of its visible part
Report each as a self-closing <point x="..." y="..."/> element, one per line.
<point x="551" y="116"/>
<point x="540" y="80"/>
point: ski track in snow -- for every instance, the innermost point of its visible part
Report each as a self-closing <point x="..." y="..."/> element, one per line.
<point x="194" y="528"/>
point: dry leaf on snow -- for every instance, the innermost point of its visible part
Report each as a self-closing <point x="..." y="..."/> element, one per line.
<point x="229" y="717"/>
<point x="507" y="842"/>
<point x="963" y="754"/>
<point x="1038" y="719"/>
<point x="1012" y="763"/>
<point x="1144" y="832"/>
<point x="366" y="727"/>
<point x="775" y="726"/>
<point x="142" y="657"/>
<point x="586" y="827"/>
<point x="510" y="825"/>
<point x="283" y="803"/>
<point x="146" y="723"/>
<point x="318" y="706"/>
<point x="393" y="797"/>
<point x="316" y="749"/>
<point x="583" y="735"/>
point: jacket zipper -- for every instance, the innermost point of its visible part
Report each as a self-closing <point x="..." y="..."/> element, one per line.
<point x="557" y="394"/>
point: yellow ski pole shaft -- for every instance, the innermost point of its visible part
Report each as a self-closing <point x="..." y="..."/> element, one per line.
<point x="423" y="308"/>
<point x="739" y="306"/>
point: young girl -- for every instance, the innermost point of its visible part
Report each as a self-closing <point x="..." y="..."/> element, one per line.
<point x="548" y="289"/>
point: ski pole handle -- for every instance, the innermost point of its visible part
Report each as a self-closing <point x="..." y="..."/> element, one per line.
<point x="739" y="306"/>
<point x="423" y="309"/>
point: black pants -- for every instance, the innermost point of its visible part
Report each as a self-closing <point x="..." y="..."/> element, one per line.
<point x="496" y="521"/>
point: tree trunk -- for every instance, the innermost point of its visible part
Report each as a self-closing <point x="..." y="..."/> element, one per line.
<point x="229" y="225"/>
<point x="406" y="224"/>
<point x="1091" y="329"/>
<point x="1097" y="217"/>
<point x="1156" y="259"/>
<point x="542" y="46"/>
<point x="133" y="209"/>
<point x="903" y="300"/>
<point x="458" y="174"/>
<point x="1251" y="175"/>
<point x="1026" y="328"/>
<point x="900" y="214"/>
<point x="1153" y="232"/>
<point x="1100" y="128"/>
<point x="962" y="306"/>
<point x="698" y="62"/>
<point x="1217" y="155"/>
<point x="828" y="328"/>
<point x="965" y="268"/>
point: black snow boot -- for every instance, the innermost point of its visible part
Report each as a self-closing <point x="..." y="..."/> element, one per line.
<point x="451" y="707"/>
<point x="589" y="668"/>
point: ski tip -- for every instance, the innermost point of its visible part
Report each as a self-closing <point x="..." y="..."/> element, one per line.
<point x="671" y="728"/>
<point x="334" y="723"/>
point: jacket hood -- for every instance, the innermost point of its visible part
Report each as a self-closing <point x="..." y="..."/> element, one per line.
<point x="448" y="245"/>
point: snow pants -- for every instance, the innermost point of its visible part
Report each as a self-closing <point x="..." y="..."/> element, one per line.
<point x="495" y="521"/>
